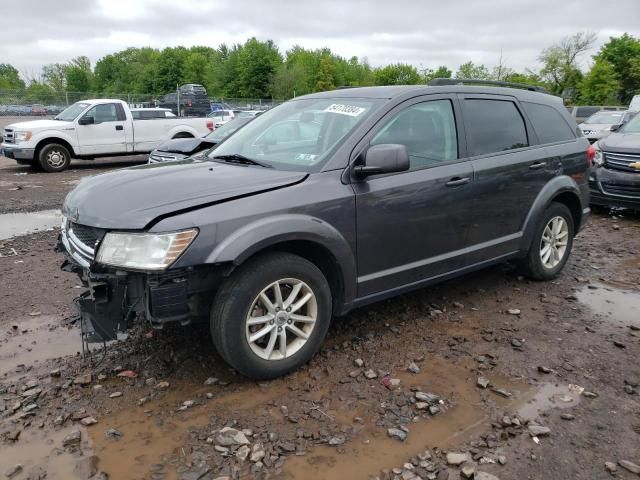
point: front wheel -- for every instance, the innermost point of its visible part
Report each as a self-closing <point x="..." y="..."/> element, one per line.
<point x="551" y="245"/>
<point x="271" y="316"/>
<point x="54" y="158"/>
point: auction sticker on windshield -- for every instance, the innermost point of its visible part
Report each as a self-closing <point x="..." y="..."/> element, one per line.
<point x="342" y="109"/>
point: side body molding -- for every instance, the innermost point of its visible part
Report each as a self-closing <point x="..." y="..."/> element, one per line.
<point x="260" y="234"/>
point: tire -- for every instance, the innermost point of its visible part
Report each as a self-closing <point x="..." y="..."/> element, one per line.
<point x="54" y="158"/>
<point x="534" y="265"/>
<point x="239" y="299"/>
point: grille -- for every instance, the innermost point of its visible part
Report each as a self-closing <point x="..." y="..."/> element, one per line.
<point x="622" y="161"/>
<point x="8" y="135"/>
<point x="624" y="190"/>
<point x="87" y="235"/>
<point x="159" y="158"/>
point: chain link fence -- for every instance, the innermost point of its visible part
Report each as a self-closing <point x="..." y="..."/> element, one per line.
<point x="25" y="103"/>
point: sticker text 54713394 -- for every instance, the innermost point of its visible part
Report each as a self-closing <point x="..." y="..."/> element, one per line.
<point x="342" y="109"/>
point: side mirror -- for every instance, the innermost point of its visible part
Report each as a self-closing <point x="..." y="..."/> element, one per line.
<point x="615" y="128"/>
<point x="86" y="121"/>
<point x="386" y="158"/>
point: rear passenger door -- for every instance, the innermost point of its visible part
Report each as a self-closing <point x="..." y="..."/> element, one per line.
<point x="509" y="172"/>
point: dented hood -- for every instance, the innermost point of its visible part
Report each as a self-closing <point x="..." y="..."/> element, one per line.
<point x="132" y="198"/>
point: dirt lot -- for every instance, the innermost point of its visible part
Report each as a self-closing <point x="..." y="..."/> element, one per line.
<point x="524" y="380"/>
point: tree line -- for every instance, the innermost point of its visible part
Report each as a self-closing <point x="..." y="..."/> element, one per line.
<point x="258" y="69"/>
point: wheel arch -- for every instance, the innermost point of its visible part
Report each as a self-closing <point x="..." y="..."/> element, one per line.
<point x="49" y="140"/>
<point x="562" y="189"/>
<point x="308" y="237"/>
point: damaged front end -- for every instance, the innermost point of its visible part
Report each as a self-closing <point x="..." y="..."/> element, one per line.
<point x="114" y="298"/>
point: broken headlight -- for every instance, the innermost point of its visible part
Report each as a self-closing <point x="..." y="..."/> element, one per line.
<point x="143" y="251"/>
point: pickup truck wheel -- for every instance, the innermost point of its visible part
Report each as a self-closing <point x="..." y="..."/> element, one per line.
<point x="271" y="316"/>
<point x="54" y="158"/>
<point x="551" y="245"/>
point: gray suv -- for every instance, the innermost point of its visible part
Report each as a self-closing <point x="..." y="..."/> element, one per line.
<point x="324" y="204"/>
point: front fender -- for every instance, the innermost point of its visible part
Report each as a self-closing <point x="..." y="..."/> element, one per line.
<point x="53" y="135"/>
<point x="551" y="190"/>
<point x="264" y="233"/>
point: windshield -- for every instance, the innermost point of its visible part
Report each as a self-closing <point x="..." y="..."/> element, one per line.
<point x="633" y="126"/>
<point x="606" y="118"/>
<point x="298" y="135"/>
<point x="227" y="129"/>
<point x="69" y="114"/>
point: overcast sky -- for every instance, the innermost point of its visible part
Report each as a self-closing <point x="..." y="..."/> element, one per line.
<point x="425" y="33"/>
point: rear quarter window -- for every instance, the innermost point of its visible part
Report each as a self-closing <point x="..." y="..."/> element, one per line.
<point x="548" y="123"/>
<point x="586" y="111"/>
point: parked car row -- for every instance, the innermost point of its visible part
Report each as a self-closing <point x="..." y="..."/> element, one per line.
<point x="30" y="110"/>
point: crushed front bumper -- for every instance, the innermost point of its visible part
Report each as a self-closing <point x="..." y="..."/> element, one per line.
<point x="114" y="298"/>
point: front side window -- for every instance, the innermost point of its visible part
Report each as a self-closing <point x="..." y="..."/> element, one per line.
<point x="548" y="123"/>
<point x="493" y="126"/>
<point x="298" y="135"/>
<point x="103" y="113"/>
<point x="428" y="130"/>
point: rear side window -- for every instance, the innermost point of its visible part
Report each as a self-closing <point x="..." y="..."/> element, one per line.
<point x="493" y="126"/>
<point x="548" y="123"/>
<point x="586" y="111"/>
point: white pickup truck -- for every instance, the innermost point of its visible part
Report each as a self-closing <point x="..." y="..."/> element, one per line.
<point x="91" y="129"/>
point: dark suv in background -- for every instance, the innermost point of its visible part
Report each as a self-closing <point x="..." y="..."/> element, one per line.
<point x="194" y="101"/>
<point x="372" y="192"/>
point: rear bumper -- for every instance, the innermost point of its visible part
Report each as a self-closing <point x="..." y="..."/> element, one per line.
<point x="612" y="188"/>
<point x="12" y="151"/>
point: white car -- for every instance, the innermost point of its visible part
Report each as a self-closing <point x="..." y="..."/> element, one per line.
<point x="602" y="123"/>
<point x="90" y="129"/>
<point x="220" y="117"/>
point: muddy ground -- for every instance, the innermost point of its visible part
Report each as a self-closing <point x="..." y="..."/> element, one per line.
<point x="396" y="391"/>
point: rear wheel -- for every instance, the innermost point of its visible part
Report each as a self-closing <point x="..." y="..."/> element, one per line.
<point x="551" y="245"/>
<point x="271" y="315"/>
<point x="54" y="158"/>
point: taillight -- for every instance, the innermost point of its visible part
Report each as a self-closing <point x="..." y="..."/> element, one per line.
<point x="591" y="154"/>
<point x="210" y="125"/>
<point x="189" y="103"/>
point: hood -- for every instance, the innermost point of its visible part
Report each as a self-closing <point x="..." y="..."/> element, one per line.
<point x="186" y="145"/>
<point x="39" y="124"/>
<point x="132" y="198"/>
<point x="621" y="142"/>
<point x="596" y="127"/>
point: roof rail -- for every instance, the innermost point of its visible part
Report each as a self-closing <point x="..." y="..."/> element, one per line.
<point x="462" y="81"/>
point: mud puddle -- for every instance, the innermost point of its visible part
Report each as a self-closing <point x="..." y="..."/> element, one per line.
<point x="548" y="396"/>
<point x="35" y="340"/>
<point x="16" y="224"/>
<point x="373" y="450"/>
<point x="157" y="432"/>
<point x="615" y="305"/>
<point x="42" y="450"/>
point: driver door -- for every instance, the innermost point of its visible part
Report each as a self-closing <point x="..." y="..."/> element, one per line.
<point x="106" y="134"/>
<point x="413" y="225"/>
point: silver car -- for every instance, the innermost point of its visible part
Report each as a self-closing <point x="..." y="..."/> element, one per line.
<point x="602" y="123"/>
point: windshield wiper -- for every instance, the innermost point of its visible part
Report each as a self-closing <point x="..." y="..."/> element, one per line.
<point x="241" y="159"/>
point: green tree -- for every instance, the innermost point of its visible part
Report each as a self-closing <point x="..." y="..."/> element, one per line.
<point x="9" y="78"/>
<point x="169" y="69"/>
<point x="54" y="75"/>
<point x="471" y="71"/>
<point x="326" y="75"/>
<point x="257" y="64"/>
<point x="560" y="63"/>
<point x="38" y="92"/>
<point x="623" y="54"/>
<point x="79" y="75"/>
<point x="398" y="74"/>
<point x="600" y="86"/>
<point x="442" y="71"/>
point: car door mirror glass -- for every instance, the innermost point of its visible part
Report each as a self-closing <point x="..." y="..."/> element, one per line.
<point x="86" y="121"/>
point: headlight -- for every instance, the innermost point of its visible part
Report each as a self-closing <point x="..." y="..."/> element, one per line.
<point x="21" y="136"/>
<point x="598" y="158"/>
<point x="144" y="251"/>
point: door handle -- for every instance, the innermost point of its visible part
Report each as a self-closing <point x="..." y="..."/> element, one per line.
<point x="457" y="182"/>
<point x="537" y="165"/>
<point x="119" y="127"/>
